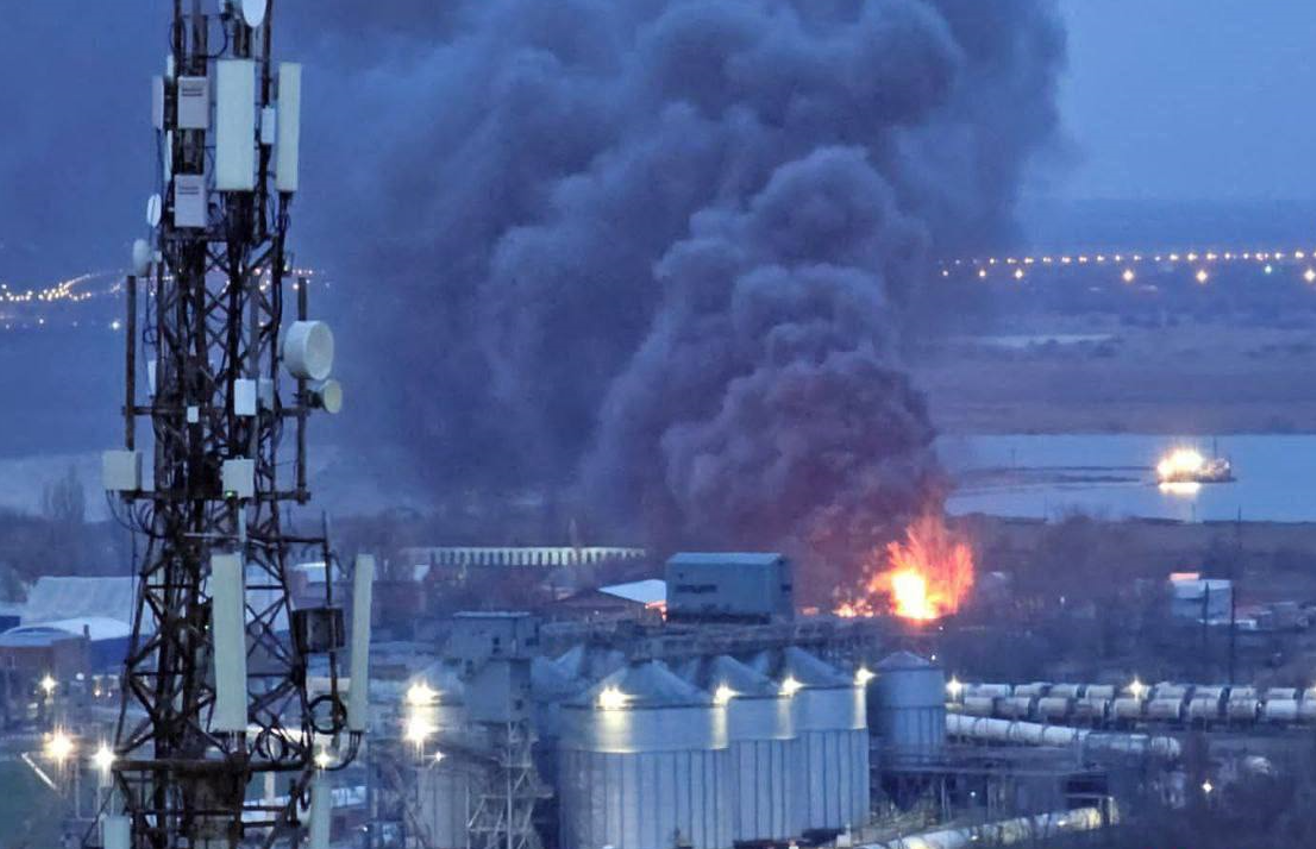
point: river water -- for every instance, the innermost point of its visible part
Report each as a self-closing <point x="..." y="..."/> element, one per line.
<point x="1050" y="475"/>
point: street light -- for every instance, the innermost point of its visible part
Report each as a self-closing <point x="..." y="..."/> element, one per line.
<point x="417" y="730"/>
<point x="48" y="685"/>
<point x="723" y="695"/>
<point x="612" y="699"/>
<point x="59" y="747"/>
<point x="790" y="686"/>
<point x="104" y="758"/>
<point x="864" y="675"/>
<point x="954" y="688"/>
<point x="420" y="694"/>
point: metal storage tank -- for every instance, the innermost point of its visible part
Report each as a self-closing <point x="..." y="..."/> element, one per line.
<point x="643" y="759"/>
<point x="1243" y="710"/>
<point x="1281" y="710"/>
<point x="907" y="708"/>
<point x="550" y="687"/>
<point x="994" y="691"/>
<point x="1205" y="709"/>
<point x="1127" y="709"/>
<point x="1092" y="709"/>
<point x="446" y="795"/>
<point x="1036" y="689"/>
<point x="761" y="737"/>
<point x="1054" y="708"/>
<point x="831" y="732"/>
<point x="1016" y="707"/>
<point x="1166" y="710"/>
<point x="444" y="790"/>
<point x="979" y="706"/>
<point x="1066" y="691"/>
<point x="589" y="664"/>
<point x="1282" y="694"/>
<point x="1099" y="691"/>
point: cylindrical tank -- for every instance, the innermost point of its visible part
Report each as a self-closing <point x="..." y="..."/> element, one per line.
<point x="1307" y="710"/>
<point x="1016" y="707"/>
<point x="643" y="759"/>
<point x="1054" y="709"/>
<point x="1282" y="694"/>
<point x="1127" y="709"/>
<point x="1066" y="691"/>
<point x="831" y="732"/>
<point x="1210" y="691"/>
<point x="589" y="664"/>
<point x="550" y="687"/>
<point x="444" y="791"/>
<point x="1092" y="710"/>
<point x="1166" y="691"/>
<point x="1036" y="689"/>
<point x="907" y="708"/>
<point x="446" y="795"/>
<point x="979" y="706"/>
<point x="1165" y="710"/>
<point x="1280" y="710"/>
<point x="1099" y="691"/>
<point x="1205" y="710"/>
<point x="761" y="738"/>
<point x="1242" y="710"/>
<point x="993" y="691"/>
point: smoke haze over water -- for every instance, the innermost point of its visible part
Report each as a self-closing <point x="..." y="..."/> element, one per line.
<point x="665" y="249"/>
<point x="660" y="250"/>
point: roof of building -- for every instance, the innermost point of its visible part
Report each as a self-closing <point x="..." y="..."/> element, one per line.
<point x="587" y="663"/>
<point x="648" y="592"/>
<point x="793" y="662"/>
<point x="710" y="673"/>
<point x="36" y="637"/>
<point x="96" y="627"/>
<point x="902" y="660"/>
<point x="646" y="685"/>
<point x="724" y="558"/>
<point x="53" y="599"/>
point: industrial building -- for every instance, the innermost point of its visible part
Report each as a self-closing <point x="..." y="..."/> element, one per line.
<point x="729" y="587"/>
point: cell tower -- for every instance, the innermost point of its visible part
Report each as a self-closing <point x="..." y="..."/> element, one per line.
<point x="215" y="685"/>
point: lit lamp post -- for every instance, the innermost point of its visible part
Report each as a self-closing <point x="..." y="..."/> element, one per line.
<point x="47" y="703"/>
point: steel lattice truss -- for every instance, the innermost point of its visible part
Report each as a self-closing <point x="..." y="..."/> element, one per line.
<point x="208" y="321"/>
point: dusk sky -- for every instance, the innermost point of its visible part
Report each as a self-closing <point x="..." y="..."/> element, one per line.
<point x="1190" y="99"/>
<point x="1164" y="100"/>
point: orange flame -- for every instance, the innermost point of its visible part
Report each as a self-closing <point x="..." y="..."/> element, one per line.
<point x="928" y="575"/>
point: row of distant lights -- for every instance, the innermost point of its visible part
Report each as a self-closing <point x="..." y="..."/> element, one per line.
<point x="64" y="291"/>
<point x="1018" y="264"/>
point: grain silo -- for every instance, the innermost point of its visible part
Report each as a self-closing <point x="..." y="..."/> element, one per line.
<point x="761" y="737"/>
<point x="446" y="794"/>
<point x="589" y="664"/>
<point x="831" y="733"/>
<point x="907" y="709"/>
<point x="446" y="788"/>
<point x="644" y="764"/>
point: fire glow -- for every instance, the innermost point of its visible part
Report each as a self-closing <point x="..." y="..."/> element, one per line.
<point x="924" y="577"/>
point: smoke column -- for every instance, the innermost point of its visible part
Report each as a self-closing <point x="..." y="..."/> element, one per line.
<point x="664" y="250"/>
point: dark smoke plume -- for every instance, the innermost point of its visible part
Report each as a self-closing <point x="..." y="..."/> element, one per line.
<point x="665" y="249"/>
